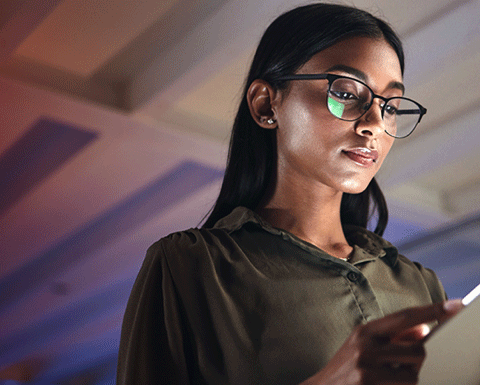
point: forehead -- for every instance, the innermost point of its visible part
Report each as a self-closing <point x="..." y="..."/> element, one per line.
<point x="374" y="57"/>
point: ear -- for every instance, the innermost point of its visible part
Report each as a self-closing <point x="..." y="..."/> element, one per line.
<point x="260" y="98"/>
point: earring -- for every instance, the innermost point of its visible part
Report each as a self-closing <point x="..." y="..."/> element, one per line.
<point x="271" y="121"/>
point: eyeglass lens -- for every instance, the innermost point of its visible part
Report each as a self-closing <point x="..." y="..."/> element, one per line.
<point x="349" y="100"/>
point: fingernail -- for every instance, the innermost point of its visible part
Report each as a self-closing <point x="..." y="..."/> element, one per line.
<point x="424" y="329"/>
<point x="453" y="305"/>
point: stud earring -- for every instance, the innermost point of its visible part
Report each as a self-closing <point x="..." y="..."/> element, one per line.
<point x="271" y="121"/>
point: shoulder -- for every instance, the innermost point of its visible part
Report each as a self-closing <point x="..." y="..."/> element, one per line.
<point x="184" y="239"/>
<point x="188" y="242"/>
<point x="221" y="237"/>
<point x="435" y="287"/>
<point x="193" y="250"/>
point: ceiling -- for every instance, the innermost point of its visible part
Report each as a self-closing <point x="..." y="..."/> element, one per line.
<point x="114" y="124"/>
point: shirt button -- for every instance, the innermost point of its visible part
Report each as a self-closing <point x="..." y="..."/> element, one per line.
<point x="352" y="276"/>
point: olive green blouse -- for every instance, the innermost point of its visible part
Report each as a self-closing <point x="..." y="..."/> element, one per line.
<point x="246" y="303"/>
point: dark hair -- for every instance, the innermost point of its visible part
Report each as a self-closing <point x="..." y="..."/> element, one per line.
<point x="289" y="42"/>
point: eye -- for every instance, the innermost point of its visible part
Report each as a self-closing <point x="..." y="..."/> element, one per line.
<point x="390" y="110"/>
<point x="342" y="95"/>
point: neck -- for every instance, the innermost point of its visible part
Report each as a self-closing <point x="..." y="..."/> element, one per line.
<point x="312" y="215"/>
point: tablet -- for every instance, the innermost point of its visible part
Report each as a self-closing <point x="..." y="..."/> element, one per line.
<point x="453" y="351"/>
<point x="471" y="296"/>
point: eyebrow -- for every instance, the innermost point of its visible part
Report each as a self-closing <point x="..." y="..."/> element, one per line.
<point x="362" y="76"/>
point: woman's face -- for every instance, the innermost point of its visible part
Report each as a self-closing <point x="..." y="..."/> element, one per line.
<point x="313" y="146"/>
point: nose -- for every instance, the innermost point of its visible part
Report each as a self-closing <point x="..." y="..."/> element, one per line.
<point x="371" y="123"/>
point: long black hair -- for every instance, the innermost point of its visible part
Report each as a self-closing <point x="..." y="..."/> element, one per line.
<point x="289" y="42"/>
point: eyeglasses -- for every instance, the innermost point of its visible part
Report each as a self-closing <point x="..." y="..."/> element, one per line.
<point x="349" y="99"/>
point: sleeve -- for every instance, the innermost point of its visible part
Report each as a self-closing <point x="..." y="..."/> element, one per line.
<point x="151" y="343"/>
<point x="435" y="287"/>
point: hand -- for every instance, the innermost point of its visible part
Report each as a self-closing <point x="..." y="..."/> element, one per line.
<point x="385" y="351"/>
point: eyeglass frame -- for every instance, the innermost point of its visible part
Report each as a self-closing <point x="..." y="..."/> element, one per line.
<point x="332" y="77"/>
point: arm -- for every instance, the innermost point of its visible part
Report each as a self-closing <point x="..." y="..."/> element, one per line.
<point x="146" y="355"/>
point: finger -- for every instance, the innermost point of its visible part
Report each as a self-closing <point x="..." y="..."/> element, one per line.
<point x="451" y="307"/>
<point x="454" y="307"/>
<point x="408" y="318"/>
<point x="414" y="334"/>
<point x="391" y="355"/>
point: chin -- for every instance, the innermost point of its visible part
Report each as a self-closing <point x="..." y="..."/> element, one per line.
<point x="354" y="187"/>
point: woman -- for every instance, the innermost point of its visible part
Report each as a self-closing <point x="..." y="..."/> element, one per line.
<point x="283" y="284"/>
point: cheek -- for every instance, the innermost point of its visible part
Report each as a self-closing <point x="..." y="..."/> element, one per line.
<point x="306" y="124"/>
<point x="308" y="136"/>
<point x="293" y="126"/>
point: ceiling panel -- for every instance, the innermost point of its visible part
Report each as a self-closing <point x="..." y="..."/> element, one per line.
<point x="79" y="36"/>
<point x="210" y="108"/>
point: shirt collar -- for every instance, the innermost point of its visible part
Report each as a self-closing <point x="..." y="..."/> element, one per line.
<point x="367" y="245"/>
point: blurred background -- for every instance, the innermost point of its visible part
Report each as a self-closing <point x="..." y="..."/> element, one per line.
<point x="114" y="126"/>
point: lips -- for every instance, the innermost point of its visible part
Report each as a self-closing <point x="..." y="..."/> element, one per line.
<point x="362" y="155"/>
